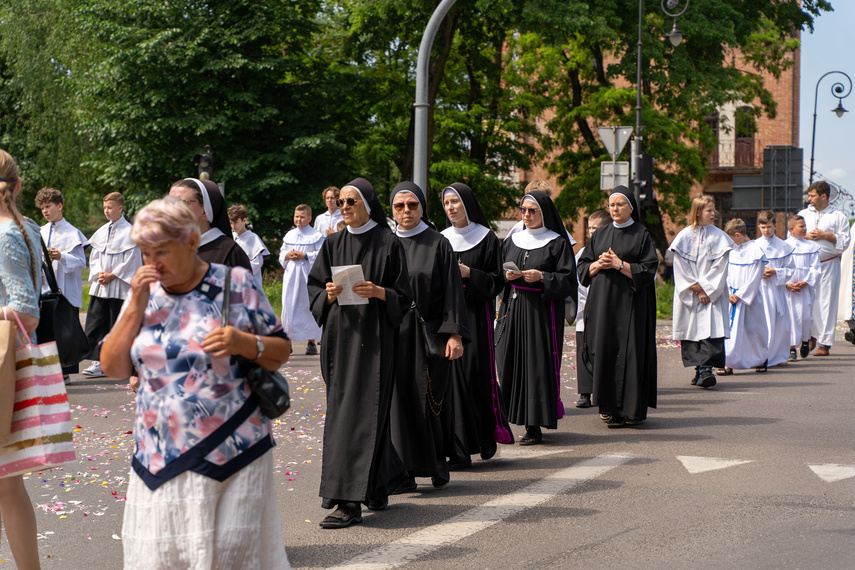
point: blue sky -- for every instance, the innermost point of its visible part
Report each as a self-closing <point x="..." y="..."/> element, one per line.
<point x="829" y="48"/>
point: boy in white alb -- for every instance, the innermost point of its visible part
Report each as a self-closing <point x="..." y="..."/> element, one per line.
<point x="248" y="240"/>
<point x="802" y="286"/>
<point x="300" y="248"/>
<point x="112" y="264"/>
<point x="746" y="347"/>
<point x="776" y="275"/>
<point x="67" y="250"/>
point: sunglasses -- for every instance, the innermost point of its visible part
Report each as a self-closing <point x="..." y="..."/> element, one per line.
<point x="350" y="202"/>
<point x="399" y="207"/>
<point x="531" y="211"/>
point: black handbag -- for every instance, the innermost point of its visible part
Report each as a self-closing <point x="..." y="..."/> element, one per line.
<point x="59" y="320"/>
<point x="433" y="341"/>
<point x="270" y="389"/>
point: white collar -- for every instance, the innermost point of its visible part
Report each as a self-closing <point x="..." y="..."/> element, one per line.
<point x="369" y="225"/>
<point x="464" y="239"/>
<point x="210" y="236"/>
<point x="419" y="228"/>
<point x="774" y="247"/>
<point x="625" y="224"/>
<point x="533" y="239"/>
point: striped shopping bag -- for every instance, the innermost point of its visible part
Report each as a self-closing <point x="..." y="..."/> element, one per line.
<point x="41" y="434"/>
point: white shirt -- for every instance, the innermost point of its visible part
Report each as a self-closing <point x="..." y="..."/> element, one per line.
<point x="71" y="244"/>
<point x="327" y="220"/>
<point x="830" y="220"/>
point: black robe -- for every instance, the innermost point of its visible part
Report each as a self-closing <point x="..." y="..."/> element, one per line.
<point x="418" y="434"/>
<point x="475" y="413"/>
<point x="620" y="322"/>
<point x="530" y="333"/>
<point x="358" y="352"/>
<point x="225" y="251"/>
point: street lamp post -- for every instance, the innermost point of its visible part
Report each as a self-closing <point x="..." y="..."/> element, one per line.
<point x="836" y="90"/>
<point x="675" y="37"/>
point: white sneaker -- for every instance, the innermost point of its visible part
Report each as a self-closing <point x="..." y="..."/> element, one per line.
<point x="94" y="370"/>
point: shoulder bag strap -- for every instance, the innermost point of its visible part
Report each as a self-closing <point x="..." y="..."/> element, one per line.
<point x="47" y="267"/>
<point x="227" y="302"/>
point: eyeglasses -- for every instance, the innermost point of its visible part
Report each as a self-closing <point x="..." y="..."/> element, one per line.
<point x="413" y="206"/>
<point x="349" y="201"/>
<point x="531" y="211"/>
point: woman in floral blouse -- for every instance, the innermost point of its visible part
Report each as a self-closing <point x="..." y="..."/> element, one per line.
<point x="202" y="495"/>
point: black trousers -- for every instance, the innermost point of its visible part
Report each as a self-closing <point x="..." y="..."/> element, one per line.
<point x="100" y="318"/>
<point x="584" y="381"/>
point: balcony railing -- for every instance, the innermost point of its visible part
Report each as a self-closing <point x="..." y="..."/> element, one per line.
<point x="738" y="154"/>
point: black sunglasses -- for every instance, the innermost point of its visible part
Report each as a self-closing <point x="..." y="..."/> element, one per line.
<point x="350" y="202"/>
<point x="531" y="211"/>
<point x="399" y="207"/>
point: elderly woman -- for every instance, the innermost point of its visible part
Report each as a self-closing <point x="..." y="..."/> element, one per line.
<point x="216" y="245"/>
<point x="202" y="493"/>
<point x="530" y="327"/>
<point x="475" y="405"/>
<point x="358" y="356"/>
<point x="422" y="383"/>
<point x="619" y="351"/>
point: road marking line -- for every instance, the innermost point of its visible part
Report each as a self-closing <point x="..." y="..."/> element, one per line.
<point x="700" y="464"/>
<point x="831" y="472"/>
<point x="418" y="544"/>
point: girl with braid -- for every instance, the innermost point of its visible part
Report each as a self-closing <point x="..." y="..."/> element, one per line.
<point x="20" y="284"/>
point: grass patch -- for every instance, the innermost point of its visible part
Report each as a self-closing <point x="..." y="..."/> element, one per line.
<point x="664" y="300"/>
<point x="272" y="283"/>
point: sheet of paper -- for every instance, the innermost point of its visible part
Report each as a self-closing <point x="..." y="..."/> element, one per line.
<point x="511" y="266"/>
<point x="347" y="276"/>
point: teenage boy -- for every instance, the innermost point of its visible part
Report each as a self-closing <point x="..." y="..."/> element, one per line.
<point x="327" y="223"/>
<point x="746" y="346"/>
<point x="66" y="247"/>
<point x="801" y="288"/>
<point x="248" y="240"/>
<point x="112" y="264"/>
<point x="776" y="275"/>
<point x="300" y="248"/>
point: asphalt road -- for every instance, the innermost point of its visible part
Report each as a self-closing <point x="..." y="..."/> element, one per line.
<point x="757" y="472"/>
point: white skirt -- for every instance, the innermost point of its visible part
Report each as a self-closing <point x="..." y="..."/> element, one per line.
<point x="198" y="523"/>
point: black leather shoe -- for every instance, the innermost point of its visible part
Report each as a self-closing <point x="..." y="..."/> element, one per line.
<point x="441" y="480"/>
<point x="461" y="464"/>
<point x="346" y="515"/>
<point x="804" y="350"/>
<point x="407" y="486"/>
<point x="378" y="504"/>
<point x="584" y="401"/>
<point x="488" y="449"/>
<point x="327" y="504"/>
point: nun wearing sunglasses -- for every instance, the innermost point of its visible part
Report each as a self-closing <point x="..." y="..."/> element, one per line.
<point x="530" y="327"/>
<point x="422" y="389"/>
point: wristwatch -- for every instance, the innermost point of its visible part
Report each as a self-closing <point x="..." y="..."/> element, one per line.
<point x="621" y="266"/>
<point x="260" y="346"/>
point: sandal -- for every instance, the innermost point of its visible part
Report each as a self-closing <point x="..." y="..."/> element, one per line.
<point x="605" y="417"/>
<point x="532" y="437"/>
<point x="343" y="517"/>
<point x="724" y="371"/>
<point x="761" y="368"/>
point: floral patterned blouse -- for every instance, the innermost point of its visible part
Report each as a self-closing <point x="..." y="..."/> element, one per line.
<point x="194" y="412"/>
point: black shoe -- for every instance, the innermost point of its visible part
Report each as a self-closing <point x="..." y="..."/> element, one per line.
<point x="696" y="378"/>
<point x="849" y="336"/>
<point x="706" y="379"/>
<point x="378" y="504"/>
<point x="459" y="464"/>
<point x="533" y="436"/>
<point x="584" y="401"/>
<point x="346" y="515"/>
<point x="488" y="449"/>
<point x="441" y="480"/>
<point x="311" y="349"/>
<point x="804" y="350"/>
<point x="327" y="504"/>
<point x="406" y="486"/>
<point x="66" y="379"/>
<point x="792" y="357"/>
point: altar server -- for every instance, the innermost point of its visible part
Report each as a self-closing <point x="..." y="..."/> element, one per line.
<point x="801" y="288"/>
<point x="777" y="273"/>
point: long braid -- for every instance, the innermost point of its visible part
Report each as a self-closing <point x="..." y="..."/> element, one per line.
<point x="7" y="202"/>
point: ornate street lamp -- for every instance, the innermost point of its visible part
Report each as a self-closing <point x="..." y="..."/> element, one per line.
<point x="669" y="8"/>
<point x="839" y="90"/>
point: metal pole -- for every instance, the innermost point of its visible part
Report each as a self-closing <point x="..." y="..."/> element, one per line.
<point x="420" y="146"/>
<point x="635" y="146"/>
<point x="835" y="90"/>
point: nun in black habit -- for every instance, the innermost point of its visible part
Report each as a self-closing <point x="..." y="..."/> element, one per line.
<point x="530" y="327"/>
<point x="618" y="267"/>
<point x="216" y="245"/>
<point x="474" y="402"/>
<point x="422" y="385"/>
<point x="358" y="355"/>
